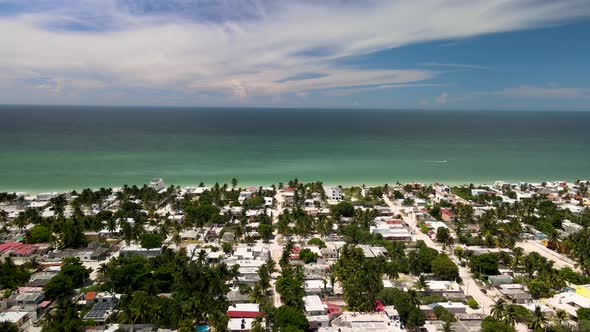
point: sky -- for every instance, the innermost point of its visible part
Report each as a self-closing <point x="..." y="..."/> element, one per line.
<point x="427" y="54"/>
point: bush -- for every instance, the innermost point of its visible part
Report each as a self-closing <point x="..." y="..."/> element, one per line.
<point x="443" y="314"/>
<point x="472" y="303"/>
<point x="432" y="299"/>
<point x="308" y="256"/>
<point x="317" y="242"/>
<point x="583" y="313"/>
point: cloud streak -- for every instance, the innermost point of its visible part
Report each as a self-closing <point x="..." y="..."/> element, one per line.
<point x="245" y="50"/>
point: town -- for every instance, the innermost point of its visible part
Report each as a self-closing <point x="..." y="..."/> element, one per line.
<point x="298" y="256"/>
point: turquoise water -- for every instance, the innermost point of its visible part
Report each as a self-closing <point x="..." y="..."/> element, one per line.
<point x="55" y="148"/>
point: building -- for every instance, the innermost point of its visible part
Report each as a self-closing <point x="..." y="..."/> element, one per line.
<point x="104" y="305"/>
<point x="333" y="193"/>
<point x="315" y="311"/>
<point x="242" y="316"/>
<point x="19" y="318"/>
<point x="157" y="184"/>
<point x="447" y="215"/>
<point x="366" y="322"/>
<point x="138" y="250"/>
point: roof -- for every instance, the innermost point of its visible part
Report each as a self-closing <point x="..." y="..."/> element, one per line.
<point x="12" y="316"/>
<point x="44" y="304"/>
<point x="89" y="296"/>
<point x="243" y="314"/>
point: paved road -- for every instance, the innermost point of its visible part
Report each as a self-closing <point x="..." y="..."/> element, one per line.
<point x="560" y="260"/>
<point x="469" y="284"/>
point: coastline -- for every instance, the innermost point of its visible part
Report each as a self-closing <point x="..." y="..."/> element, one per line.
<point x="245" y="184"/>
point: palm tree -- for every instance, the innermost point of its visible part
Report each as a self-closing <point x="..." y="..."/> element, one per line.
<point x="560" y="316"/>
<point x="538" y="320"/>
<point x="392" y="270"/>
<point x="421" y="283"/>
<point x="510" y="315"/>
<point x="413" y="295"/>
<point x="234" y="183"/>
<point x="499" y="309"/>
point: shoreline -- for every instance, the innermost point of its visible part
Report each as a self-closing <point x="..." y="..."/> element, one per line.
<point x="245" y="184"/>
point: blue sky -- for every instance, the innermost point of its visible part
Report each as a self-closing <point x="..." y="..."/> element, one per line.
<point x="431" y="54"/>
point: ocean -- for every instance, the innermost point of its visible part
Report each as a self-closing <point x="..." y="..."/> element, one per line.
<point x="51" y="148"/>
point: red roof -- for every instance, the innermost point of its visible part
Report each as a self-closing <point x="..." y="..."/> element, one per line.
<point x="6" y="246"/>
<point x="89" y="296"/>
<point x="244" y="314"/>
<point x="44" y="304"/>
<point x="447" y="212"/>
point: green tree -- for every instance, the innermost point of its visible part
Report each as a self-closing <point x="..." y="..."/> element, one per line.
<point x="343" y="209"/>
<point x="486" y="264"/>
<point x="490" y="324"/>
<point x="38" y="234"/>
<point x="442" y="234"/>
<point x="150" y="241"/>
<point x="308" y="256"/>
<point x="201" y="215"/>
<point x="538" y="319"/>
<point x="444" y="268"/>
<point x="59" y="287"/>
<point x="360" y="278"/>
<point x="287" y="318"/>
<point x="290" y="287"/>
<point x="12" y="275"/>
<point x="64" y="318"/>
<point x="8" y="327"/>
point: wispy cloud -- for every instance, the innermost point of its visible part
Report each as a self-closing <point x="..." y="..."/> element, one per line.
<point x="452" y="65"/>
<point x="245" y="48"/>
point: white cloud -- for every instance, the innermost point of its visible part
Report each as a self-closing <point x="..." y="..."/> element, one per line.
<point x="249" y="57"/>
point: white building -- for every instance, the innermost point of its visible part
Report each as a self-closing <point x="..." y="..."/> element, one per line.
<point x="333" y="193"/>
<point x="157" y="184"/>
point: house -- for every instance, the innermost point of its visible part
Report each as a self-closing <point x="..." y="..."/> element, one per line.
<point x="317" y="286"/>
<point x="244" y="195"/>
<point x="452" y="307"/>
<point x="447" y="215"/>
<point x="288" y="197"/>
<point x="329" y="252"/>
<point x="30" y="298"/>
<point x="515" y="292"/>
<point x="242" y="315"/>
<point x="157" y="184"/>
<point x="390" y="231"/>
<point x="104" y="306"/>
<point x="315" y="311"/>
<point x="134" y="249"/>
<point x="357" y="321"/>
<point x="19" y="318"/>
<point x="333" y="193"/>
<point x="501" y="279"/>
